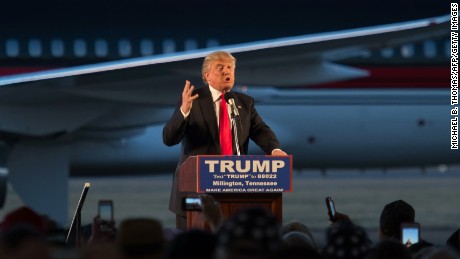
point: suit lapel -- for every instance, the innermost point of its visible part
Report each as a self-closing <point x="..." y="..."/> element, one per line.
<point x="209" y="114"/>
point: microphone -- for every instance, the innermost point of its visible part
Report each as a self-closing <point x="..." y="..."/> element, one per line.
<point x="230" y="99"/>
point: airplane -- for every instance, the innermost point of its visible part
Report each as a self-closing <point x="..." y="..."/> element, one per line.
<point x="107" y="118"/>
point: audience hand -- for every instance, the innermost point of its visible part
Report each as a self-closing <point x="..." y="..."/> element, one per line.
<point x="339" y="217"/>
<point x="102" y="231"/>
<point x="212" y="213"/>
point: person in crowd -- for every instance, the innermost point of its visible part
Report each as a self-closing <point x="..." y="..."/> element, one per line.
<point x="23" y="235"/>
<point x="391" y="217"/>
<point x="297" y="238"/>
<point x="102" y="231"/>
<point x="212" y="212"/>
<point x="192" y="244"/>
<point x="346" y="240"/>
<point x="389" y="249"/>
<point x="141" y="238"/>
<point x="454" y="241"/>
<point x="437" y="252"/>
<point x="99" y="239"/>
<point x="250" y="233"/>
<point x="24" y="216"/>
<point x="24" y="241"/>
<point x="296" y="225"/>
<point x="296" y="252"/>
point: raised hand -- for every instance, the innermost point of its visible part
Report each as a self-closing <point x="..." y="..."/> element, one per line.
<point x="187" y="98"/>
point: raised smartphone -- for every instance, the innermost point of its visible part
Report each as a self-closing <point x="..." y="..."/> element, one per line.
<point x="330" y="209"/>
<point x="410" y="233"/>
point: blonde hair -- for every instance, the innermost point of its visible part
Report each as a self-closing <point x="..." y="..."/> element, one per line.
<point x="215" y="56"/>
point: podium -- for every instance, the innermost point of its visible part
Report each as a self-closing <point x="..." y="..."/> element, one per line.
<point x="188" y="185"/>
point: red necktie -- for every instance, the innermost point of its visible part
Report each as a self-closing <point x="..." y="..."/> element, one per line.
<point x="224" y="129"/>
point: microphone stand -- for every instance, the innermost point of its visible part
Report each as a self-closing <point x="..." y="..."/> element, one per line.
<point x="229" y="98"/>
<point x="235" y="133"/>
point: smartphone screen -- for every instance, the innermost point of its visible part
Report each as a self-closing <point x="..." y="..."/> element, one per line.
<point x="330" y="208"/>
<point x="105" y="208"/>
<point x="191" y="203"/>
<point x="410" y="233"/>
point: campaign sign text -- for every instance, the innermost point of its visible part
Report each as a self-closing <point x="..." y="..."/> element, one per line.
<point x="243" y="174"/>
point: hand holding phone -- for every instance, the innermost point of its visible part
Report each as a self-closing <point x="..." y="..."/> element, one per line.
<point x="410" y="233"/>
<point x="331" y="209"/>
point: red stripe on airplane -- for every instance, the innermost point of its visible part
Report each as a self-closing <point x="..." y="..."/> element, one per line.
<point x="6" y="71"/>
<point x="380" y="77"/>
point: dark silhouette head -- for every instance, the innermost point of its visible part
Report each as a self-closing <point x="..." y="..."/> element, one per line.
<point x="393" y="214"/>
<point x="250" y="233"/>
<point x="346" y="240"/>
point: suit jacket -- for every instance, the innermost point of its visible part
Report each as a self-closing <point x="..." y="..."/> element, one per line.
<point x="199" y="133"/>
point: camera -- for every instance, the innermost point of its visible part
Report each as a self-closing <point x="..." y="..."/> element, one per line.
<point x="191" y="203"/>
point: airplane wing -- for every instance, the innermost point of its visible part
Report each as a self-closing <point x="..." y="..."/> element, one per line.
<point x="144" y="84"/>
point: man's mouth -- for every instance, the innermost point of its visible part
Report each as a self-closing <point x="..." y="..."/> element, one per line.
<point x="227" y="79"/>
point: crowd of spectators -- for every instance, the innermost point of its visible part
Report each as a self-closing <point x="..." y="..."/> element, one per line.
<point x="249" y="233"/>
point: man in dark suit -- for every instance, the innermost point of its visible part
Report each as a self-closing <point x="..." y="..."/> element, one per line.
<point x="197" y="118"/>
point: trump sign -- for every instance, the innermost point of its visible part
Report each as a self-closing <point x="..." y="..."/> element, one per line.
<point x="241" y="174"/>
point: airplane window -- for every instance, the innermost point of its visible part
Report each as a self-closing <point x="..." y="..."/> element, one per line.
<point x="12" y="48"/>
<point x="365" y="54"/>
<point x="447" y="50"/>
<point x="147" y="47"/>
<point x="124" y="48"/>
<point x="387" y="52"/>
<point x="101" y="48"/>
<point x="212" y="43"/>
<point x="169" y="46"/>
<point x="407" y="50"/>
<point x="79" y="48"/>
<point x="35" y="48"/>
<point x="190" y="44"/>
<point x="57" y="48"/>
<point x="429" y="48"/>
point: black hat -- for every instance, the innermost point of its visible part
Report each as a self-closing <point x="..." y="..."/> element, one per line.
<point x="346" y="240"/>
<point x="255" y="226"/>
<point x="393" y="214"/>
